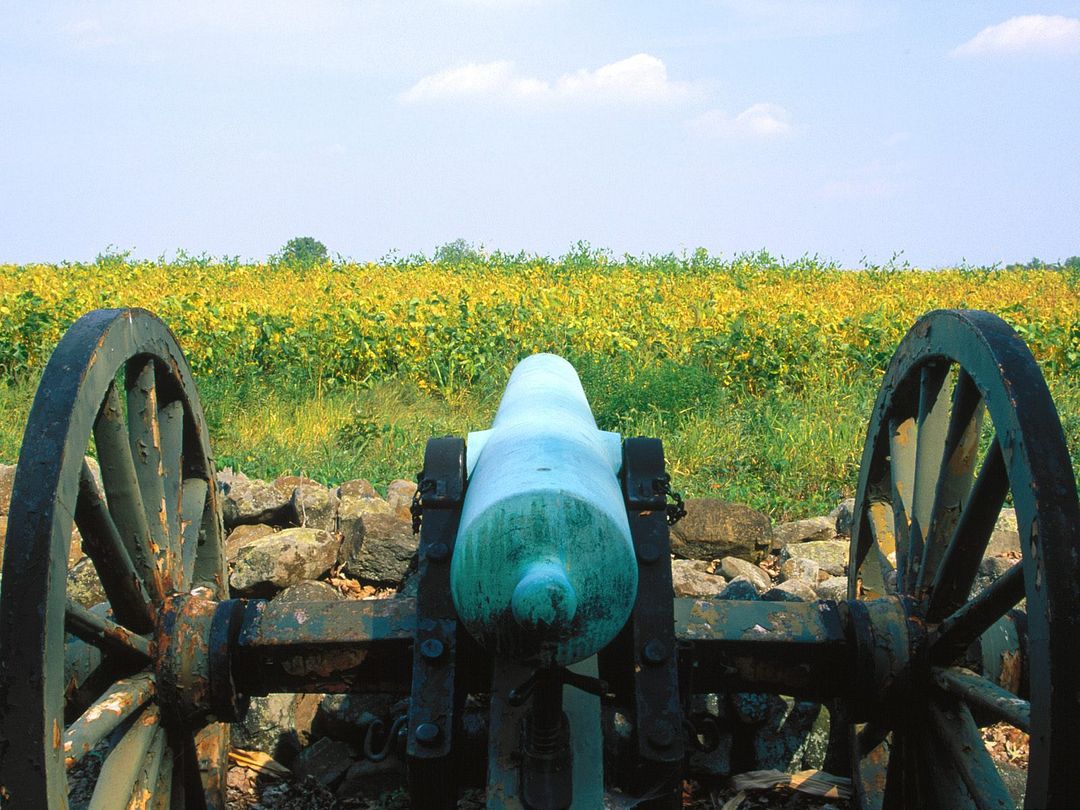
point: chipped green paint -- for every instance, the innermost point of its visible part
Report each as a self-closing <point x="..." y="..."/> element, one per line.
<point x="544" y="568"/>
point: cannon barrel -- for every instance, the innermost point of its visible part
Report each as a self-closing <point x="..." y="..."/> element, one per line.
<point x="543" y="570"/>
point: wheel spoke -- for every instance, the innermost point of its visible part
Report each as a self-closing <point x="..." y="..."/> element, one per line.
<point x="123" y="493"/>
<point x="871" y="736"/>
<point x="103" y="633"/>
<point x="960" y="560"/>
<point x="164" y="789"/>
<point x="947" y="788"/>
<point x="144" y="431"/>
<point x="115" y="706"/>
<point x="142" y="795"/>
<point x="211" y="754"/>
<point x="187" y="778"/>
<point x="955" y="728"/>
<point x="172" y="476"/>
<point x="986" y="695"/>
<point x="875" y="566"/>
<point x="932" y="424"/>
<point x="101" y="541"/>
<point x="870" y="775"/>
<point x="956" y="633"/>
<point x="896" y="775"/>
<point x="122" y="766"/>
<point x="902" y="443"/>
<point x="954" y="480"/>
<point x="194" y="504"/>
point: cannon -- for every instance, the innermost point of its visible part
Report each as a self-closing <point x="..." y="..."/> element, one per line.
<point x="544" y="598"/>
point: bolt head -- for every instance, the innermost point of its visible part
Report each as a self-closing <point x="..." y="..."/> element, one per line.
<point x="438" y="552"/>
<point x="654" y="652"/>
<point x="431" y="648"/>
<point x="427" y="734"/>
<point x="648" y="552"/>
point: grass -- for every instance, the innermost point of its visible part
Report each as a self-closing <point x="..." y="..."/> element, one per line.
<point x="789" y="453"/>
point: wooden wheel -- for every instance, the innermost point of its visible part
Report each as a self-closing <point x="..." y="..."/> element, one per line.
<point x="964" y="423"/>
<point x="76" y="678"/>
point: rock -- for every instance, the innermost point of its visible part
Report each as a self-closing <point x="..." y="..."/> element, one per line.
<point x="386" y="551"/>
<point x="357" y="488"/>
<point x="843" y="517"/>
<point x="278" y="725"/>
<point x="691" y="578"/>
<point x="282" y="559"/>
<point x="249" y="500"/>
<point x="313" y="505"/>
<point x="83" y="585"/>
<point x="366" y="778"/>
<point x="1005" y="538"/>
<point x="311" y="590"/>
<point x="399" y="494"/>
<point x="244" y="534"/>
<point x="732" y="567"/>
<point x="714" y="528"/>
<point x="989" y="570"/>
<point x="325" y="761"/>
<point x="777" y="595"/>
<point x="750" y="708"/>
<point x="347" y="717"/>
<point x="7" y="481"/>
<point x="782" y="739"/>
<point x="740" y="589"/>
<point x="800" y="568"/>
<point x="717" y="762"/>
<point x="831" y="555"/>
<point x="352" y="507"/>
<point x="834" y="588"/>
<point x="798" y="590"/>
<point x="802" y="531"/>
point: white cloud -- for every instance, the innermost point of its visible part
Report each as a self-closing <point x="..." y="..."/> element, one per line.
<point x="1032" y="33"/>
<point x="761" y="120"/>
<point x="639" y="79"/>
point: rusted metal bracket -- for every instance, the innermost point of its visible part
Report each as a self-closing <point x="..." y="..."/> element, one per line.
<point x="432" y="710"/>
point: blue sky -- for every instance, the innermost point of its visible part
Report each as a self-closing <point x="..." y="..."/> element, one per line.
<point x="848" y="129"/>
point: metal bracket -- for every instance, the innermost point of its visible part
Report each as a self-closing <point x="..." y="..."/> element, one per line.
<point x="434" y="687"/>
<point x="652" y="625"/>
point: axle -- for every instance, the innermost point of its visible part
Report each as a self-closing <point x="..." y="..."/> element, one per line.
<point x="814" y="650"/>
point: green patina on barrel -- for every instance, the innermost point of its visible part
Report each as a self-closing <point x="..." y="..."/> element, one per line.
<point x="544" y="568"/>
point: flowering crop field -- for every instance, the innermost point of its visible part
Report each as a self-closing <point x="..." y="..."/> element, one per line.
<point x="759" y="376"/>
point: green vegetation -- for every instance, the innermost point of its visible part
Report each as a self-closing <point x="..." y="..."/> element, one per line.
<point x="758" y="374"/>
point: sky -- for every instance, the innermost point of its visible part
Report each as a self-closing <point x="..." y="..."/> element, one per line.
<point x="939" y="133"/>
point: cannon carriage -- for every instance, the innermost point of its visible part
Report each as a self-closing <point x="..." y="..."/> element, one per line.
<point x="544" y="588"/>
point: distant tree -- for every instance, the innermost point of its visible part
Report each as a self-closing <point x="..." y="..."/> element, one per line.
<point x="303" y="251"/>
<point x="1036" y="264"/>
<point x="1073" y="263"/>
<point x="459" y="251"/>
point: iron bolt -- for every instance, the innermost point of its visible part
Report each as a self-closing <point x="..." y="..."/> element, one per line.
<point x="649" y="552"/>
<point x="661" y="733"/>
<point x="427" y="734"/>
<point x="431" y="648"/>
<point x="438" y="552"/>
<point x="654" y="652"/>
